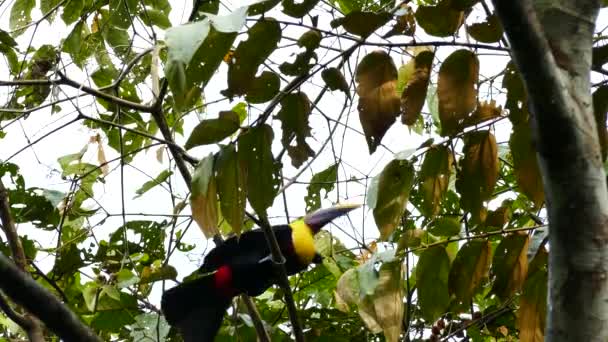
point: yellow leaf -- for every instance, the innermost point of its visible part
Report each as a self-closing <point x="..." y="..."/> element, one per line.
<point x="204" y="210"/>
<point x="532" y="312"/>
<point x="456" y="90"/>
<point x="379" y="103"/>
<point x="485" y="111"/>
<point x="525" y="164"/>
<point x="414" y="94"/>
<point x="388" y="300"/>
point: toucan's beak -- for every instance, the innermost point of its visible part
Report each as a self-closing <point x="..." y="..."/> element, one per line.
<point x="321" y="217"/>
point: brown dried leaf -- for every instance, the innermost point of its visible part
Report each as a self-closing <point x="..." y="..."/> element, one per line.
<point x="485" y="111"/>
<point x="379" y="103"/>
<point x="456" y="90"/>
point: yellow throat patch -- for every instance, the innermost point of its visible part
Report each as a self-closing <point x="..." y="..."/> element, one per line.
<point x="303" y="241"/>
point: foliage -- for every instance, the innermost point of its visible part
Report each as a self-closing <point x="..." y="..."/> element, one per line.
<point x="275" y="115"/>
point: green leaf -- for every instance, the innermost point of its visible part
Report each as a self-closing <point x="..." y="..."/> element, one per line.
<point x="440" y="20"/>
<point x="262" y="40"/>
<point x="155" y="17"/>
<point x="393" y="190"/>
<point x="72" y="11"/>
<point x="324" y="180"/>
<point x="6" y="39"/>
<point x="432" y="272"/>
<point x="149" y="327"/>
<point x="489" y="31"/>
<point x="434" y="178"/>
<point x="263" y="88"/>
<point x="445" y="226"/>
<point x="362" y="23"/>
<point x="209" y="56"/>
<point x="517" y="99"/>
<point x="478" y="173"/>
<point x="334" y="80"/>
<point x="254" y="149"/>
<point x="510" y="265"/>
<point x="73" y="44"/>
<point x="202" y="176"/>
<point x="89" y="294"/>
<point x="298" y="9"/>
<point x="469" y="269"/>
<point x="212" y="131"/>
<point x="157" y="273"/>
<point x="154" y="182"/>
<point x="295" y="109"/>
<point x="21" y="14"/>
<point x="232" y="187"/>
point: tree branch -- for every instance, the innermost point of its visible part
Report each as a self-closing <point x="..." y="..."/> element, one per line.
<point x="36" y="299"/>
<point x="29" y="324"/>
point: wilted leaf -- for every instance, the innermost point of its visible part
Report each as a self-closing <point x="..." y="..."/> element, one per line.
<point x="362" y="23"/>
<point x="532" y="312"/>
<point x="470" y="267"/>
<point x="335" y="80"/>
<point x="525" y="164"/>
<point x="434" y="178"/>
<point x="510" y="265"/>
<point x="478" y="171"/>
<point x="262" y="40"/>
<point x="441" y="20"/>
<point x="405" y="24"/>
<point x="379" y="103"/>
<point x="203" y="200"/>
<point x="489" y="31"/>
<point x="295" y="109"/>
<point x="213" y="130"/>
<point x="600" y="109"/>
<point x="254" y="149"/>
<point x="324" y="180"/>
<point x="232" y="187"/>
<point x="456" y="89"/>
<point x="485" y="111"/>
<point x="414" y="94"/>
<point x="393" y="190"/>
<point x="498" y="218"/>
<point x="432" y="273"/>
<point x="154" y="182"/>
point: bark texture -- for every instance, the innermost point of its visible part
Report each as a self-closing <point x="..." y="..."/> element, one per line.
<point x="551" y="44"/>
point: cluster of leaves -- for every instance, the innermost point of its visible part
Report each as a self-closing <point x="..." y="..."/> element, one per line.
<point x="448" y="260"/>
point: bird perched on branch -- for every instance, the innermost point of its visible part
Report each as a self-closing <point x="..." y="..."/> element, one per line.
<point x="242" y="265"/>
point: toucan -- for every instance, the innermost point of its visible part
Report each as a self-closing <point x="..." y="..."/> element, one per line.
<point x="242" y="265"/>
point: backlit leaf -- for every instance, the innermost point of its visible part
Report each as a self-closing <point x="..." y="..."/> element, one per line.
<point x="445" y="226"/>
<point x="489" y="31"/>
<point x="298" y="9"/>
<point x="517" y="99"/>
<point x="334" y="80"/>
<point x="254" y="149"/>
<point x="456" y="89"/>
<point x="388" y="300"/>
<point x="478" y="171"/>
<point x="21" y="13"/>
<point x="394" y="187"/>
<point x="434" y="178"/>
<point x="324" y="180"/>
<point x="469" y="269"/>
<point x="213" y="130"/>
<point x="154" y="182"/>
<point x="440" y="20"/>
<point x="295" y="109"/>
<point x="379" y="102"/>
<point x="414" y="93"/>
<point x="525" y="164"/>
<point x="203" y="200"/>
<point x="263" y="88"/>
<point x="262" y="40"/>
<point x="232" y="187"/>
<point x="532" y="313"/>
<point x="432" y="273"/>
<point x="362" y="23"/>
<point x="510" y="265"/>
